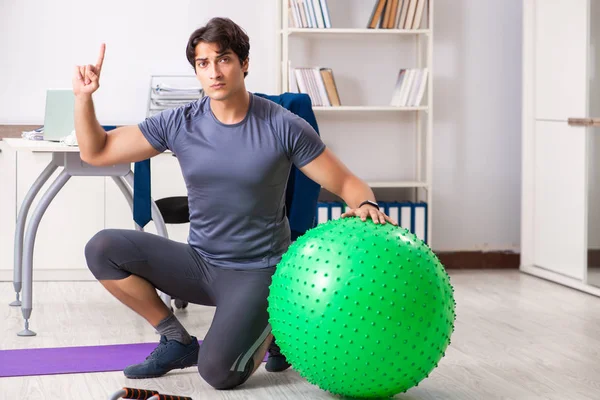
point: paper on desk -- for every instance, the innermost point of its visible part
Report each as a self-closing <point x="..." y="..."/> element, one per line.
<point x="70" y="140"/>
<point x="37" y="134"/>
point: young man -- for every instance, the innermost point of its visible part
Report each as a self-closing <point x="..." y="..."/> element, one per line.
<point x="235" y="151"/>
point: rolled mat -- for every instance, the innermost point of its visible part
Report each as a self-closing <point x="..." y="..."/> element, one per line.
<point x="73" y="360"/>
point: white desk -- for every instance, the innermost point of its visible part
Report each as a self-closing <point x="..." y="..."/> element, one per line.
<point x="68" y="158"/>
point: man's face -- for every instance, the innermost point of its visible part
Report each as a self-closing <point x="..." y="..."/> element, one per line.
<point x="220" y="74"/>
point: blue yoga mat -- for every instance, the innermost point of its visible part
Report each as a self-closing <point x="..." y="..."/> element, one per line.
<point x="73" y="360"/>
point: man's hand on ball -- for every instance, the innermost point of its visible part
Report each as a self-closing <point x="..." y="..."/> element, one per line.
<point x="365" y="211"/>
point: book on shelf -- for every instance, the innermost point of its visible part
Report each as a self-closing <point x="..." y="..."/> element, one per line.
<point x="318" y="83"/>
<point x="410" y="87"/>
<point x="308" y="14"/>
<point x="397" y="14"/>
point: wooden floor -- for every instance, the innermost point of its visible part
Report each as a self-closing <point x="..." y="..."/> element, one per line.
<point x="516" y="337"/>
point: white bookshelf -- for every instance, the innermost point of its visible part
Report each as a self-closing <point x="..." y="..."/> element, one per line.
<point x="354" y="31"/>
<point x="368" y="108"/>
<point x="398" y="184"/>
<point x="421" y="182"/>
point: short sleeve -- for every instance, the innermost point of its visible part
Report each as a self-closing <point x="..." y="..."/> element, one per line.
<point x="302" y="143"/>
<point x="160" y="129"/>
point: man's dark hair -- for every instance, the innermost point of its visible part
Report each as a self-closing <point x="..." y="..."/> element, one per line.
<point x="224" y="32"/>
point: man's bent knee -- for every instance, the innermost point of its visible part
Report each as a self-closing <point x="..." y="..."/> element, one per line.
<point x="222" y="378"/>
<point x="100" y="252"/>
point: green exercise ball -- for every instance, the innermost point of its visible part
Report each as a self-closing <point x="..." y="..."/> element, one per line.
<point x="361" y="309"/>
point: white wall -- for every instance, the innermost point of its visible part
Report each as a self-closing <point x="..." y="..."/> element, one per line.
<point x="477" y="124"/>
<point x="40" y="47"/>
<point x="476" y="76"/>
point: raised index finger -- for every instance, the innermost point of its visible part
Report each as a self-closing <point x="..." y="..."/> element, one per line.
<point x="101" y="57"/>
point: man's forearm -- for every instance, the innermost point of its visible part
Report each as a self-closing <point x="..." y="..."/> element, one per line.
<point x="355" y="191"/>
<point x="91" y="138"/>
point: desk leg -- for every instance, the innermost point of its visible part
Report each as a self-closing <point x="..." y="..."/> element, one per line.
<point x="20" y="227"/>
<point x="29" y="243"/>
<point x="161" y="228"/>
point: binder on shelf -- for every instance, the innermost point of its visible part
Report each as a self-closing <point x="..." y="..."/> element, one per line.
<point x="402" y="212"/>
<point x="393" y="210"/>
<point x="336" y="209"/>
<point x="329" y="210"/>
<point x="406" y="215"/>
<point x="322" y="212"/>
<point x="420" y="220"/>
<point x="383" y="207"/>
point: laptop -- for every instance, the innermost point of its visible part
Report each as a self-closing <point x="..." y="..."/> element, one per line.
<point x="59" y="119"/>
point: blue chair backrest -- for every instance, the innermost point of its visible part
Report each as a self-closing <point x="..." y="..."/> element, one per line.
<point x="302" y="193"/>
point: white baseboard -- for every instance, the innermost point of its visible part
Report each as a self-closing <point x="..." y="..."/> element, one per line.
<point x="62" y="275"/>
<point x="560" y="279"/>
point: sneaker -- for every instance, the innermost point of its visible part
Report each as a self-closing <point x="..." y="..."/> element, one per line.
<point x="168" y="355"/>
<point x="276" y="361"/>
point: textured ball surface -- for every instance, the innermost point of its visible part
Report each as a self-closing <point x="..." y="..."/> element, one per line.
<point x="361" y="309"/>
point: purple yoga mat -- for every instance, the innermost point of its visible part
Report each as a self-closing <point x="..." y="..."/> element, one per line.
<point x="73" y="360"/>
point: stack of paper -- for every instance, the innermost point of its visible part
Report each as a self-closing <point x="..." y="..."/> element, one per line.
<point x="170" y="95"/>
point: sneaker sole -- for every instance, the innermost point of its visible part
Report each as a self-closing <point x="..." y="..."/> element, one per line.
<point x="148" y="376"/>
<point x="156" y="375"/>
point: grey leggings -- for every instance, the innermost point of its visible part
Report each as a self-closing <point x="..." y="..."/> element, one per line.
<point x="240" y="323"/>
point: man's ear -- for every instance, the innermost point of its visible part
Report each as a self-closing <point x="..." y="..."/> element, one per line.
<point x="246" y="64"/>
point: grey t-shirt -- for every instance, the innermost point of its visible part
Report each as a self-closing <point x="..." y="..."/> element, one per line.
<point x="236" y="176"/>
